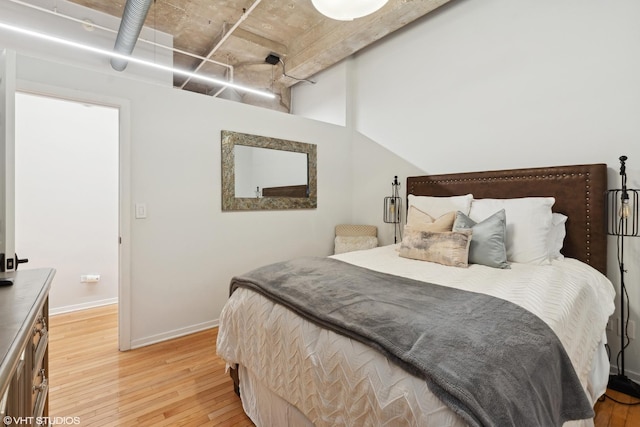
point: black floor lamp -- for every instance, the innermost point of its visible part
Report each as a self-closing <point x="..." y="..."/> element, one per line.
<point x="393" y="209"/>
<point x="622" y="220"/>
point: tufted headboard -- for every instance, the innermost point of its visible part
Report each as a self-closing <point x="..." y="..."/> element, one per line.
<point x="579" y="191"/>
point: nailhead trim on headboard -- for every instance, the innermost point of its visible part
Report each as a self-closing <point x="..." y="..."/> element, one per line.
<point x="560" y="182"/>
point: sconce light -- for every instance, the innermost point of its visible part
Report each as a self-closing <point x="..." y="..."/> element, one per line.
<point x="342" y="10"/>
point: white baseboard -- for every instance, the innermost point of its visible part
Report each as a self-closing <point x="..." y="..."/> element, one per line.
<point x="83" y="306"/>
<point x="141" y="342"/>
<point x="176" y="333"/>
<point x="630" y="374"/>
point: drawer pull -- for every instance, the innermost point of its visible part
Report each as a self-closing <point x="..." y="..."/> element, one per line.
<point x="41" y="400"/>
<point x="42" y="328"/>
<point x="43" y="385"/>
<point x="40" y="387"/>
<point x="39" y="350"/>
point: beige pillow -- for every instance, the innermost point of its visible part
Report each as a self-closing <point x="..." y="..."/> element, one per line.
<point x="439" y="205"/>
<point x="420" y="220"/>
<point x="416" y="216"/>
<point x="448" y="248"/>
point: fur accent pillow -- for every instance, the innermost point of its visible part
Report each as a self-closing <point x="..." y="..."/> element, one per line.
<point x="447" y="248"/>
<point x="354" y="243"/>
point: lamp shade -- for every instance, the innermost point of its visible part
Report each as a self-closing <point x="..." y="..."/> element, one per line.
<point x="342" y="10"/>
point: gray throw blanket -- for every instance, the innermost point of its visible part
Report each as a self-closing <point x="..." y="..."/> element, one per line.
<point x="491" y="361"/>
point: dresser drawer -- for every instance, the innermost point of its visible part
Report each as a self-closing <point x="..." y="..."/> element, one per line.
<point x="39" y="328"/>
<point x="24" y="366"/>
<point x="39" y="391"/>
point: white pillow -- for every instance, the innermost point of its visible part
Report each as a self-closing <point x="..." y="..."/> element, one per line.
<point x="556" y="236"/>
<point x="528" y="225"/>
<point x="438" y="206"/>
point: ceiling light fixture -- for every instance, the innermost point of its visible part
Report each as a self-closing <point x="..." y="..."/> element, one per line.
<point x="347" y="10"/>
<point x="143" y="62"/>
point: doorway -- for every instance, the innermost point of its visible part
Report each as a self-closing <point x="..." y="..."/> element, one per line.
<point x="67" y="197"/>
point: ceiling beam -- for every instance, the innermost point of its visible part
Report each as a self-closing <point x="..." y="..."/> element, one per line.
<point x="260" y="41"/>
<point x="331" y="41"/>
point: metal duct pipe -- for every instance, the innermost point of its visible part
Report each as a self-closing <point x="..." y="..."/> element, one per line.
<point x="133" y="17"/>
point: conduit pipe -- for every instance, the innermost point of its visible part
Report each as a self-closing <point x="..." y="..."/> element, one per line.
<point x="89" y="24"/>
<point x="133" y="17"/>
<point x="224" y="38"/>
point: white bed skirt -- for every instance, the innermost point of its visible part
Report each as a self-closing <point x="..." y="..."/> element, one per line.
<point x="266" y="408"/>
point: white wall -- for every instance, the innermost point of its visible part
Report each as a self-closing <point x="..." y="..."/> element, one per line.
<point x="505" y="83"/>
<point x="67" y="196"/>
<point x="508" y="84"/>
<point x="186" y="251"/>
<point x="373" y="170"/>
<point x="326" y="100"/>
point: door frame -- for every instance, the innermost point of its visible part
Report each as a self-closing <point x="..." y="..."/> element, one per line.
<point x="124" y="189"/>
<point x="7" y="158"/>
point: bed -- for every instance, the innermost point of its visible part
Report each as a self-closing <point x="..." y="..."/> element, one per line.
<point x="291" y="371"/>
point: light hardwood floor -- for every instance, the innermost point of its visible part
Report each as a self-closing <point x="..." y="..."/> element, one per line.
<point x="176" y="383"/>
<point x="612" y="414"/>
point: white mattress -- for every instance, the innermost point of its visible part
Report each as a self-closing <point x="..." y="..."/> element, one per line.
<point x="334" y="380"/>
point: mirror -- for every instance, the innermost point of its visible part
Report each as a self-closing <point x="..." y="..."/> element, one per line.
<point x="267" y="173"/>
<point x="261" y="172"/>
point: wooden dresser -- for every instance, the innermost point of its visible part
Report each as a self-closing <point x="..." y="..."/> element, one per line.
<point x="24" y="339"/>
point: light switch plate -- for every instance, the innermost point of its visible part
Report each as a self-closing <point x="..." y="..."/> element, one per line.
<point x="141" y="210"/>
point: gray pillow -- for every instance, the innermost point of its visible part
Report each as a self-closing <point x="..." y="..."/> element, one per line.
<point x="488" y="241"/>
